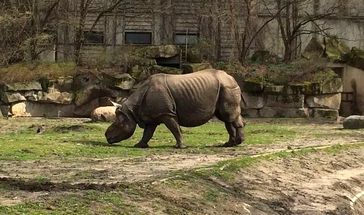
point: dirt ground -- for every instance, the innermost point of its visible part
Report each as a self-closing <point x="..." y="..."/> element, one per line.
<point x="319" y="183"/>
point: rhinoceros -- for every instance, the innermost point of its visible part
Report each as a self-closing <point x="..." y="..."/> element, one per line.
<point x="187" y="100"/>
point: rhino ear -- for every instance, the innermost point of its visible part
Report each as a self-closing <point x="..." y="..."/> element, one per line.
<point x="123" y="100"/>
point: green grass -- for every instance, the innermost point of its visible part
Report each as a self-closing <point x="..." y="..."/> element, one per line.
<point x="73" y="140"/>
<point x="88" y="140"/>
<point x="125" y="198"/>
<point x="89" y="202"/>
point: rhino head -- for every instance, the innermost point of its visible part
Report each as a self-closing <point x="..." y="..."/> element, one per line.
<point x="123" y="127"/>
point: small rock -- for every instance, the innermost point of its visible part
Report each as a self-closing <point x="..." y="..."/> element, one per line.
<point x="354" y="122"/>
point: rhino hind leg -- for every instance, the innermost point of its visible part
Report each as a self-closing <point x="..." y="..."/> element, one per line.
<point x="147" y="135"/>
<point x="232" y="134"/>
<point x="173" y="126"/>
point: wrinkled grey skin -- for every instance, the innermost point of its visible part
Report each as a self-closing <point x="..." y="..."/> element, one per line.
<point x="180" y="100"/>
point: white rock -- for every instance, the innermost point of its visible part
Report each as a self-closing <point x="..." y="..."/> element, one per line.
<point x="103" y="114"/>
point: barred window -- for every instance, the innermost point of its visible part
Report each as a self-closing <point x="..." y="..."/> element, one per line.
<point x="93" y="37"/>
<point x="138" y="37"/>
<point x="182" y="39"/>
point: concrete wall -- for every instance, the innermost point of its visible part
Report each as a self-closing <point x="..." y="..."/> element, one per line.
<point x="347" y="24"/>
<point x="353" y="82"/>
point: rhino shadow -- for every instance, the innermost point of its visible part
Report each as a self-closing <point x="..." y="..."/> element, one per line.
<point x="95" y="143"/>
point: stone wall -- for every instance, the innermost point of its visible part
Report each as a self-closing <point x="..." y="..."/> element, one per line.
<point x="353" y="79"/>
<point x="78" y="96"/>
<point x="64" y="97"/>
<point x="317" y="100"/>
<point x="88" y="89"/>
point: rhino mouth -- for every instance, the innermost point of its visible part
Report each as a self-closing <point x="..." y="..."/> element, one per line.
<point x="113" y="140"/>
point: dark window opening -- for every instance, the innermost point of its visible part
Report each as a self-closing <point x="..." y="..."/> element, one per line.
<point x="169" y="62"/>
<point x="138" y="38"/>
<point x="182" y="39"/>
<point x="94" y="37"/>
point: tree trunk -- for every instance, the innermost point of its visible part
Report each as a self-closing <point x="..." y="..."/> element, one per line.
<point x="79" y="37"/>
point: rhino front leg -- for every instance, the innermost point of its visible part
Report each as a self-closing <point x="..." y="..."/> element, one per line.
<point x="173" y="126"/>
<point x="236" y="132"/>
<point x="147" y="135"/>
<point x="239" y="126"/>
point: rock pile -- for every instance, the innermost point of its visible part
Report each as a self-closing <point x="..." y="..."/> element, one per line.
<point x="317" y="100"/>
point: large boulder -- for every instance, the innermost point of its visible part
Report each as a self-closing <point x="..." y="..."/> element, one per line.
<point x="52" y="96"/>
<point x="329" y="101"/>
<point x="122" y="81"/>
<point x="57" y="97"/>
<point x="354" y="122"/>
<point x="33" y="85"/>
<point x="85" y="109"/>
<point x="103" y="114"/>
<point x="64" y="84"/>
<point x="252" y="101"/>
<point x="11" y="97"/>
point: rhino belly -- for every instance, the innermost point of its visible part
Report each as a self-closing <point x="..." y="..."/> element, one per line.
<point x="195" y="97"/>
<point x="192" y="118"/>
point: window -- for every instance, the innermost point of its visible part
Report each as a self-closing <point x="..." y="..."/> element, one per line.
<point x="138" y="38"/>
<point x="94" y="37"/>
<point x="181" y="39"/>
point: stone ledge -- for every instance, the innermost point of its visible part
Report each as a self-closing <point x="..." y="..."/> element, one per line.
<point x="271" y="112"/>
<point x="328" y="101"/>
<point x="320" y="113"/>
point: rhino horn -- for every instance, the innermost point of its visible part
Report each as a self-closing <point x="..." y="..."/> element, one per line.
<point x="115" y="104"/>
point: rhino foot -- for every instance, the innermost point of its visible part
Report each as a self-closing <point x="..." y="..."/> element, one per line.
<point x="180" y="146"/>
<point x="229" y="144"/>
<point x="141" y="145"/>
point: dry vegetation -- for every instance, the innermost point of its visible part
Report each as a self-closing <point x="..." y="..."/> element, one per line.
<point x="30" y="72"/>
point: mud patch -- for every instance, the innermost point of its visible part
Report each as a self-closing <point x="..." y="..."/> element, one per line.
<point x="70" y="128"/>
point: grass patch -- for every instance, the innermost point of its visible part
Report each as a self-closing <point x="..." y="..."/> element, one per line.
<point x="89" y="202"/>
<point x="227" y="169"/>
<point x="169" y="197"/>
<point x="31" y="72"/>
<point x="67" y="139"/>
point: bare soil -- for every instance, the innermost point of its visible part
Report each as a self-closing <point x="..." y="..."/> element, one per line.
<point x="319" y="183"/>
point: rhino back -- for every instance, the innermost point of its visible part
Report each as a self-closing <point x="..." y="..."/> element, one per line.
<point x="195" y="96"/>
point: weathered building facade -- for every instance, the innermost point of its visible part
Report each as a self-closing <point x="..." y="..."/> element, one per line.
<point x="156" y="22"/>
